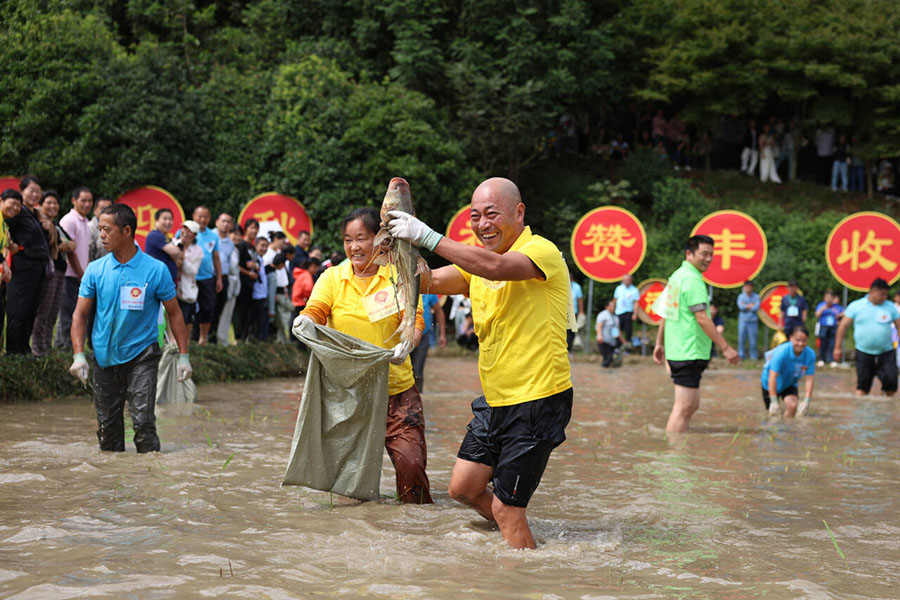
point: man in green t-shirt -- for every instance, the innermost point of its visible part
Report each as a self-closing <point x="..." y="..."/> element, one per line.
<point x="687" y="332"/>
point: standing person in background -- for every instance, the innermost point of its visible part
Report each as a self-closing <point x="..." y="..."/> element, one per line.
<point x="431" y="312"/>
<point x="126" y="287"/>
<point x="301" y="250"/>
<point x="828" y="313"/>
<point x="29" y="266"/>
<point x="750" y="152"/>
<point x="277" y="241"/>
<point x="279" y="298"/>
<point x="158" y="246"/>
<point x="10" y="206"/>
<point x="793" y="307"/>
<point x="260" y="296"/>
<point x="248" y="266"/>
<point x="96" y="249"/>
<point x="51" y="292"/>
<point x="748" y="321"/>
<point x="301" y="290"/>
<point x="188" y="290"/>
<point x="785" y="366"/>
<point x="871" y="317"/>
<point x="233" y="283"/>
<point x="578" y="306"/>
<point x="840" y="164"/>
<point x="824" y="151"/>
<point x="768" y="147"/>
<point x="687" y="332"/>
<point x="209" y="277"/>
<point x="857" y="168"/>
<point x="609" y="336"/>
<point x="78" y="228"/>
<point x="626" y="294"/>
<point x="224" y="225"/>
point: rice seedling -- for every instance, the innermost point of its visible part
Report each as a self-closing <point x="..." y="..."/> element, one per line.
<point x="228" y="461"/>
<point x="834" y="541"/>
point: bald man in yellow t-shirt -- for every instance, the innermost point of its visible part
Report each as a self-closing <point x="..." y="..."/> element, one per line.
<point x="518" y="284"/>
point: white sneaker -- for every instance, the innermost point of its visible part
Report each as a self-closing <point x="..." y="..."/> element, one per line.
<point x="774" y="407"/>
<point x="821" y="363"/>
<point x="834" y="364"/>
<point x="803" y="407"/>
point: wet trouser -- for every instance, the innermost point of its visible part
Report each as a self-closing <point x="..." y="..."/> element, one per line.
<point x="404" y="440"/>
<point x="134" y="382"/>
<point x="826" y="342"/>
<point x="48" y="309"/>
<point x="418" y="356"/>
<point x="22" y="298"/>
<point x="66" y="310"/>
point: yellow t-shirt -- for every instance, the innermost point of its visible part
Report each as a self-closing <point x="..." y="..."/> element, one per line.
<point x="4" y="235"/>
<point x="340" y="295"/>
<point x="521" y="328"/>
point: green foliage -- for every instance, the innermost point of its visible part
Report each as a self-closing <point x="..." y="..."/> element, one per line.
<point x="644" y="168"/>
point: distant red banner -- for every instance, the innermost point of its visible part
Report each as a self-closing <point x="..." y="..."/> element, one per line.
<point x="288" y="212"/>
<point x="740" y="250"/>
<point x="9" y="182"/>
<point x="770" y="304"/>
<point x="145" y="201"/>
<point x="862" y="248"/>
<point x="460" y="228"/>
<point x="649" y="289"/>
<point x="608" y="243"/>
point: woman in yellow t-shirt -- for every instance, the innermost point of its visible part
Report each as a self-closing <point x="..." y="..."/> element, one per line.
<point x="356" y="298"/>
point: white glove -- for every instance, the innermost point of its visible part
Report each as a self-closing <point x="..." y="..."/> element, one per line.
<point x="803" y="407"/>
<point x="184" y="368"/>
<point x="774" y="406"/>
<point x="401" y="351"/>
<point x="404" y="226"/>
<point x="80" y="368"/>
<point x="301" y="323"/>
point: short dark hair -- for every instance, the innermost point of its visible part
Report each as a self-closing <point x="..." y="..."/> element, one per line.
<point x="748" y="282"/>
<point x="249" y="222"/>
<point x="302" y="232"/>
<point x="199" y="206"/>
<point x="47" y="194"/>
<point x="288" y="249"/>
<point x="81" y="188"/>
<point x="11" y="193"/>
<point x="276" y="235"/>
<point x="160" y="212"/>
<point x="695" y="240"/>
<point x="103" y="199"/>
<point x="312" y="260"/>
<point x="28" y="180"/>
<point x="278" y="260"/>
<point x="880" y="284"/>
<point x="238" y="229"/>
<point x="122" y="215"/>
<point x="801" y="328"/>
<point x="369" y="216"/>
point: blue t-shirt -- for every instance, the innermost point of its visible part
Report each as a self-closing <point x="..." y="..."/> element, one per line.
<point x="428" y="301"/>
<point x="625" y="298"/>
<point x="790" y="367"/>
<point x="792" y="309"/>
<point x="127" y="298"/>
<point x="226" y="247"/>
<point x="153" y="246"/>
<point x="829" y="316"/>
<point x="208" y="240"/>
<point x="872" y="325"/>
<point x="748" y="305"/>
<point x="576" y="293"/>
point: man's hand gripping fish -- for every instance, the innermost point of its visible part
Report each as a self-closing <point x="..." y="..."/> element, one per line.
<point x="405" y="258"/>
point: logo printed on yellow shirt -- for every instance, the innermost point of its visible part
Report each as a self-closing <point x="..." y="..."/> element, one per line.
<point x="382" y="304"/>
<point x="494" y="285"/>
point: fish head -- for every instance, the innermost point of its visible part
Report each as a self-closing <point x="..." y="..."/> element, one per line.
<point x="397" y="197"/>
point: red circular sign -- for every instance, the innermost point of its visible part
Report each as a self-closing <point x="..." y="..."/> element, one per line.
<point x="650" y="289"/>
<point x="460" y="228"/>
<point x="288" y="212"/>
<point x="9" y="182"/>
<point x="145" y="201"/>
<point x="608" y="243"/>
<point x="863" y="247"/>
<point x="770" y="304"/>
<point x="740" y="251"/>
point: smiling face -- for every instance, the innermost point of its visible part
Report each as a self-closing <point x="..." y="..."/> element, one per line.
<point x="50" y="207"/>
<point x="32" y="194"/>
<point x="702" y="258"/>
<point x="497" y="214"/>
<point x="799" y="341"/>
<point x="359" y="246"/>
<point x="164" y="222"/>
<point x="261" y="246"/>
<point x="202" y="216"/>
<point x="82" y="204"/>
<point x="10" y="207"/>
<point x="187" y="236"/>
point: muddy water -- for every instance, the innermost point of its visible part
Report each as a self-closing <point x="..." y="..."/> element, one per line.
<point x="736" y="510"/>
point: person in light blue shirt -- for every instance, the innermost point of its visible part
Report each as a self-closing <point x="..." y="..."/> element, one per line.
<point x="785" y="366"/>
<point x="578" y="306"/>
<point x="871" y="317"/>
<point x="626" y="294"/>
<point x="748" y="321"/>
<point x="828" y="313"/>
<point x="209" y="277"/>
<point x="126" y="287"/>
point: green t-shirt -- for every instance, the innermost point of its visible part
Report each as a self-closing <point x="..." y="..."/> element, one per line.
<point x="684" y="339"/>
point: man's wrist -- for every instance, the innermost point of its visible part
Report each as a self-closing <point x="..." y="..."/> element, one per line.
<point x="431" y="239"/>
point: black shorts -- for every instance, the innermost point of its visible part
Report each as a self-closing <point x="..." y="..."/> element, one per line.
<point x="790" y="391"/>
<point x="884" y="366"/>
<point x="188" y="309"/>
<point x="206" y="300"/>
<point x="516" y="441"/>
<point x="686" y="373"/>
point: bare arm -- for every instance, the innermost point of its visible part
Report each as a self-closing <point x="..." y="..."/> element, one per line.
<point x="176" y="320"/>
<point x="442" y="325"/>
<point x="839" y="338"/>
<point x="773" y="385"/>
<point x="710" y="330"/>
<point x="83" y="308"/>
<point x="809" y="385"/>
<point x="510" y="266"/>
<point x="445" y="280"/>
<point x="659" y="352"/>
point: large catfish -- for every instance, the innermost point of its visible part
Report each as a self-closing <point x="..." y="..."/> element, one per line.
<point x="403" y="256"/>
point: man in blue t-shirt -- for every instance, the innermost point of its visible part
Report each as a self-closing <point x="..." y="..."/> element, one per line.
<point x="872" y="316"/>
<point x="626" y="294"/>
<point x="829" y="313"/>
<point x="793" y="308"/>
<point x="126" y="286"/>
<point x="209" y="277"/>
<point x="785" y="366"/>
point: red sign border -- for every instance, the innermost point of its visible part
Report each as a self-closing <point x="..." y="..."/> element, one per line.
<point x="270" y="193"/>
<point x="585" y="217"/>
<point x="763" y="315"/>
<point x="834" y="230"/>
<point x="453" y="219"/>
<point x="638" y="309"/>
<point x="761" y="232"/>
<point x="162" y="191"/>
